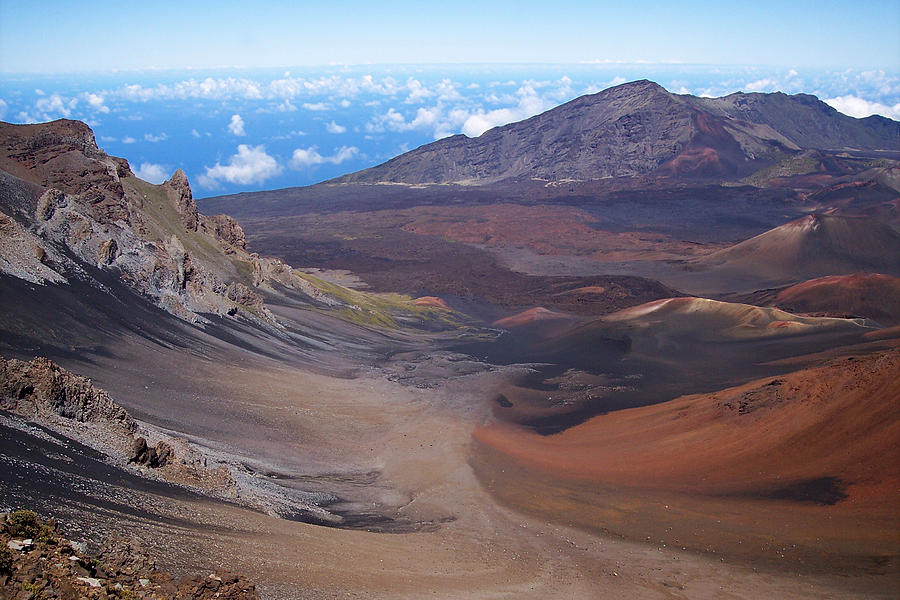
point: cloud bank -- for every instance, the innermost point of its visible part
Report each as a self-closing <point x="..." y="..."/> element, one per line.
<point x="859" y="108"/>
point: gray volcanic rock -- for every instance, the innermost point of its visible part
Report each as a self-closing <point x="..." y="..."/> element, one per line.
<point x="639" y="129"/>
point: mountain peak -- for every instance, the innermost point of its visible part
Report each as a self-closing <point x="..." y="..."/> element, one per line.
<point x="639" y="129"/>
<point x="639" y="84"/>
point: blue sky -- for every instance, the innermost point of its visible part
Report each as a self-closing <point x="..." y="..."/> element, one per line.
<point x="71" y="37"/>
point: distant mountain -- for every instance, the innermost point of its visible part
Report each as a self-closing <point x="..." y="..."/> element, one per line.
<point x="640" y="129"/>
<point x="813" y="246"/>
<point x="871" y="295"/>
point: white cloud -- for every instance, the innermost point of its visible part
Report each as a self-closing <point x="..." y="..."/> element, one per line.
<point x="306" y="157"/>
<point x="468" y="116"/>
<point x="446" y="91"/>
<point x="289" y="135"/>
<point x="317" y="106"/>
<point x="152" y="172"/>
<point x="251" y="164"/>
<point x="107" y="138"/>
<point x="859" y="107"/>
<point x="128" y="140"/>
<point x="391" y="120"/>
<point x="49" y="108"/>
<point x="95" y="101"/>
<point x="425" y="117"/>
<point x="333" y="88"/>
<point x="209" y="88"/>
<point x="417" y="91"/>
<point x="761" y="85"/>
<point x="335" y="128"/>
<point x="530" y="104"/>
<point x="286" y="106"/>
<point x="149" y="137"/>
<point x="195" y="133"/>
<point x="345" y="103"/>
<point x="3" y="107"/>
<point x="236" y="126"/>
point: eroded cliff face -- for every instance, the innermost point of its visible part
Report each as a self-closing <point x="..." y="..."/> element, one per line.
<point x="68" y="207"/>
<point x="40" y="392"/>
<point x="42" y="389"/>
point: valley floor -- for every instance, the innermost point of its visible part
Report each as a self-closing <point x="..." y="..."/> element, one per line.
<point x="409" y="451"/>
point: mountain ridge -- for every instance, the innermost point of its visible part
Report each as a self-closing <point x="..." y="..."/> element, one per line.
<point x="640" y="129"/>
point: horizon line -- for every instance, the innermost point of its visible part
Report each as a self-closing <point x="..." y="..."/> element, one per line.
<point x="597" y="63"/>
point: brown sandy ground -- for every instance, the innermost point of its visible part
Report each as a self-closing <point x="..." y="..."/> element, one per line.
<point x="798" y="471"/>
<point x="322" y="428"/>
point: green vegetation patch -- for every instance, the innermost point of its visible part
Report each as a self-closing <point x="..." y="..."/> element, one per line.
<point x="392" y="311"/>
<point x="796" y="164"/>
<point x="26" y="524"/>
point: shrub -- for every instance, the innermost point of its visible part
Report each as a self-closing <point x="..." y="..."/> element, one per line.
<point x="26" y="524"/>
<point x="6" y="559"/>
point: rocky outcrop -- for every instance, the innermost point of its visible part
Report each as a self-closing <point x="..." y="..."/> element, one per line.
<point x="227" y="230"/>
<point x="151" y="456"/>
<point x="243" y="295"/>
<point x="51" y="566"/>
<point x="151" y="237"/>
<point x="64" y="155"/>
<point x="43" y="391"/>
<point x="179" y="192"/>
<point x="41" y="387"/>
<point x="94" y="208"/>
<point x="108" y="252"/>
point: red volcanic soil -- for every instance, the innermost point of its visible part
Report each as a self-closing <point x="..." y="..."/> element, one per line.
<point x="433" y="301"/>
<point x="695" y="160"/>
<point x="553" y="230"/>
<point x="802" y="468"/>
<point x="871" y="295"/>
<point x="532" y="315"/>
